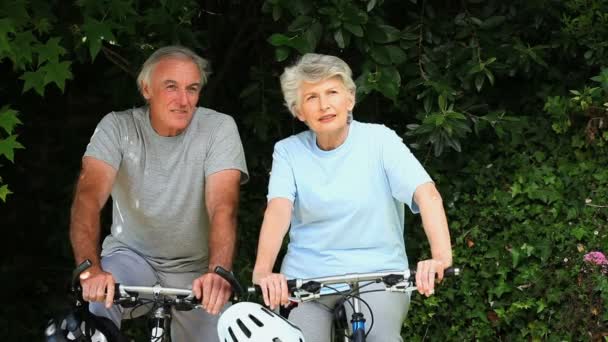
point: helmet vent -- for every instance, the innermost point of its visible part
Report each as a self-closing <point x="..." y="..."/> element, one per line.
<point x="234" y="339"/>
<point x="243" y="328"/>
<point x="256" y="321"/>
<point x="268" y="312"/>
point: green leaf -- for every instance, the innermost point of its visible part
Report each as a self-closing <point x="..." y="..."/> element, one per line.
<point x="389" y="82"/>
<point x="281" y="53"/>
<point x="96" y="32"/>
<point x="383" y="33"/>
<point x="493" y="22"/>
<point x="34" y="79"/>
<point x="397" y="55"/>
<point x="57" y="73"/>
<point x="9" y="119"/>
<point x="356" y="30"/>
<point x="339" y="38"/>
<point x="8" y="145"/>
<point x="51" y="51"/>
<point x="370" y="5"/>
<point x="353" y="15"/>
<point x="122" y="9"/>
<point x="578" y="233"/>
<point x="301" y="6"/>
<point x="489" y="75"/>
<point x="381" y="55"/>
<point x="479" y="79"/>
<point x="4" y="191"/>
<point x="22" y="49"/>
<point x="276" y="13"/>
<point x="278" y="39"/>
<point x="442" y="103"/>
<point x="300" y="23"/>
<point x="6" y="29"/>
<point x="313" y="35"/>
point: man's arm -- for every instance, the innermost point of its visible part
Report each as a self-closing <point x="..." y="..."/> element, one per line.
<point x="92" y="191"/>
<point x="221" y="199"/>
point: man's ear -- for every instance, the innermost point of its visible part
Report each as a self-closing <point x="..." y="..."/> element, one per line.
<point x="145" y="91"/>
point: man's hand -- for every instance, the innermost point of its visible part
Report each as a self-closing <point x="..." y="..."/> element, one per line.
<point x="97" y="286"/>
<point x="214" y="290"/>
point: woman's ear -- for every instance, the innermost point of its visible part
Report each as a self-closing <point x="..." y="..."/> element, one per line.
<point x="298" y="114"/>
<point x="351" y="102"/>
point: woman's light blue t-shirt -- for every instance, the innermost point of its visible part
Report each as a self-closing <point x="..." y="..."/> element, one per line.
<point x="348" y="212"/>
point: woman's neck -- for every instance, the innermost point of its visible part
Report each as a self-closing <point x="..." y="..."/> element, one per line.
<point x="332" y="140"/>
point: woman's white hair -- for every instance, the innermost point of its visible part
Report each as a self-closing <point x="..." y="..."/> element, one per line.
<point x="313" y="68"/>
<point x="173" y="51"/>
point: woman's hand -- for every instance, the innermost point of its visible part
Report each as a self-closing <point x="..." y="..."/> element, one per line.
<point x="426" y="272"/>
<point x="274" y="288"/>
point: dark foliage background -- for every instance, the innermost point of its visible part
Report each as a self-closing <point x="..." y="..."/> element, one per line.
<point x="505" y="103"/>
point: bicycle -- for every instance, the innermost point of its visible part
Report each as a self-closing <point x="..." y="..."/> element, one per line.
<point x="83" y="326"/>
<point x="305" y="290"/>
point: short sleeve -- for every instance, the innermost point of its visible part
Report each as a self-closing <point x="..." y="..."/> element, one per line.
<point x="105" y="142"/>
<point x="226" y="150"/>
<point x="403" y="170"/>
<point x="282" y="181"/>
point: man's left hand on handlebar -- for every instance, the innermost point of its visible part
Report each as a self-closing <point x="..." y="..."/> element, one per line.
<point x="214" y="290"/>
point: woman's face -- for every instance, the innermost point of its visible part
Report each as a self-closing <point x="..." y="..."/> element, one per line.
<point x="324" y="105"/>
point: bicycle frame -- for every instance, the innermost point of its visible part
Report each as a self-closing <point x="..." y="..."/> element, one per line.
<point x="163" y="299"/>
<point x="305" y="290"/>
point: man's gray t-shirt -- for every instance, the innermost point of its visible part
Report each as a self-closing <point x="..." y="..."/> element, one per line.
<point x="159" y="192"/>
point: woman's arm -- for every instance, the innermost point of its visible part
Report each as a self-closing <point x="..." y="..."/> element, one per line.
<point x="435" y="226"/>
<point x="274" y="227"/>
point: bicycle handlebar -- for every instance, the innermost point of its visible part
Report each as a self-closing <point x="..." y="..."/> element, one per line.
<point x="389" y="278"/>
<point x="129" y="295"/>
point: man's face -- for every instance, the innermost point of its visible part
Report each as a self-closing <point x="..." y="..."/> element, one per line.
<point x="172" y="95"/>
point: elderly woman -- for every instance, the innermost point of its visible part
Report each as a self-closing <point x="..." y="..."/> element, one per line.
<point x="341" y="186"/>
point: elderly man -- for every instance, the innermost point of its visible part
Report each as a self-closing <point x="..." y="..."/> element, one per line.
<point x="173" y="170"/>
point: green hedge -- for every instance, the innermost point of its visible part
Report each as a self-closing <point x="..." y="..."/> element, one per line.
<point x="523" y="214"/>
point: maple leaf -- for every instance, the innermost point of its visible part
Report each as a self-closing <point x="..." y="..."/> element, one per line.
<point x="51" y="51"/>
<point x="6" y="29"/>
<point x="57" y="73"/>
<point x="34" y="79"/>
<point x="22" y="48"/>
<point x="96" y="32"/>
<point x="4" y="191"/>
<point x="8" y="119"/>
<point x="17" y="11"/>
<point x="8" y="145"/>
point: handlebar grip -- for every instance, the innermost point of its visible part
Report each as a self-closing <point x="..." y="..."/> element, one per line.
<point x="236" y="287"/>
<point x="451" y="272"/>
<point x="117" y="291"/>
<point x="255" y="289"/>
<point x="78" y="270"/>
<point x="447" y="273"/>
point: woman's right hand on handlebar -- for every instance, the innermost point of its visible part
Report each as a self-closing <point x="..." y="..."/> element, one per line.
<point x="97" y="285"/>
<point x="273" y="287"/>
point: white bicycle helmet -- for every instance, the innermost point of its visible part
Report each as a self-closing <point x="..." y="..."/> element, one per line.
<point x="246" y="321"/>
